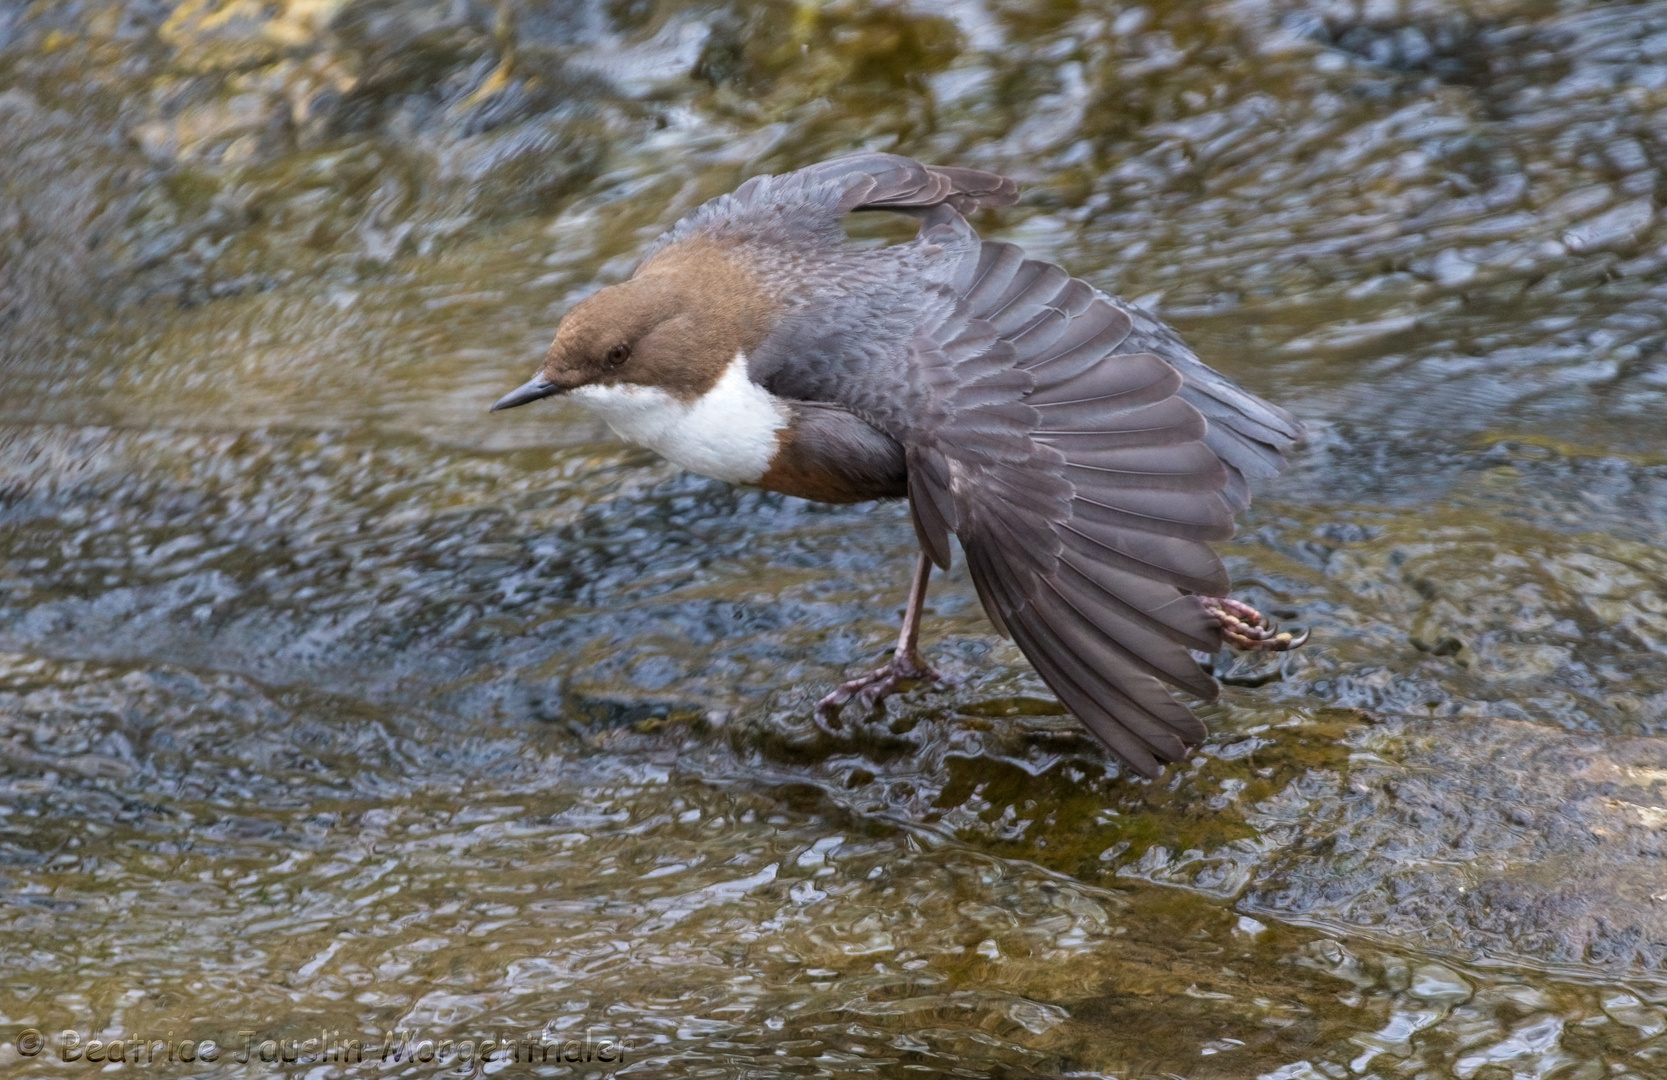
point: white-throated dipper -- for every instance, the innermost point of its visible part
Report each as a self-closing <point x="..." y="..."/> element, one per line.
<point x="1080" y="452"/>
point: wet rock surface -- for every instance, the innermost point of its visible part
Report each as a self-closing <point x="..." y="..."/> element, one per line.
<point x="327" y="702"/>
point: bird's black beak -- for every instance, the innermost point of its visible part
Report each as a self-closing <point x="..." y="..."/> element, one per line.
<point x="531" y="390"/>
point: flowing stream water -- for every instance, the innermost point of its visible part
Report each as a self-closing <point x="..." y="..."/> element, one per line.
<point x="331" y="706"/>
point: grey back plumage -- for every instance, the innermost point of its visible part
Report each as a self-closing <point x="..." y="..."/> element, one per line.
<point x="1080" y="452"/>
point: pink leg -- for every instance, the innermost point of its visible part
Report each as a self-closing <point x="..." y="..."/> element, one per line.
<point x="906" y="664"/>
<point x="1243" y="627"/>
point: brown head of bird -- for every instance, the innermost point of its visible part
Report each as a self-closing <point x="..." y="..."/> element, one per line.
<point x="675" y="326"/>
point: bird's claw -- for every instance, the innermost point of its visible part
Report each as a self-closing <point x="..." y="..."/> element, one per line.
<point x="875" y="687"/>
<point x="1243" y="627"/>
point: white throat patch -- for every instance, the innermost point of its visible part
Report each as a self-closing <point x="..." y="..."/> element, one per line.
<point x="728" y="433"/>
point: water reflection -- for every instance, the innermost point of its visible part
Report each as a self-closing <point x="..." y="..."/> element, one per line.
<point x="328" y="703"/>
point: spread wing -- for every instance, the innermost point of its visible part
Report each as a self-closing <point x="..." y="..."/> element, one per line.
<point x="1082" y="485"/>
<point x="1084" y="476"/>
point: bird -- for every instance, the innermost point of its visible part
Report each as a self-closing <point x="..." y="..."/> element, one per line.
<point x="1080" y="453"/>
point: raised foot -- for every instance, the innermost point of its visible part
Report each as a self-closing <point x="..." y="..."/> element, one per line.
<point x="1243" y="627"/>
<point x="875" y="687"/>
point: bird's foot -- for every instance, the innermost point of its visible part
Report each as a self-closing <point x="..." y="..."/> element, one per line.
<point x="1243" y="627"/>
<point x="876" y="686"/>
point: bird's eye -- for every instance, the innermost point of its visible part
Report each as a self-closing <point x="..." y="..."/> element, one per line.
<point x="619" y="354"/>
